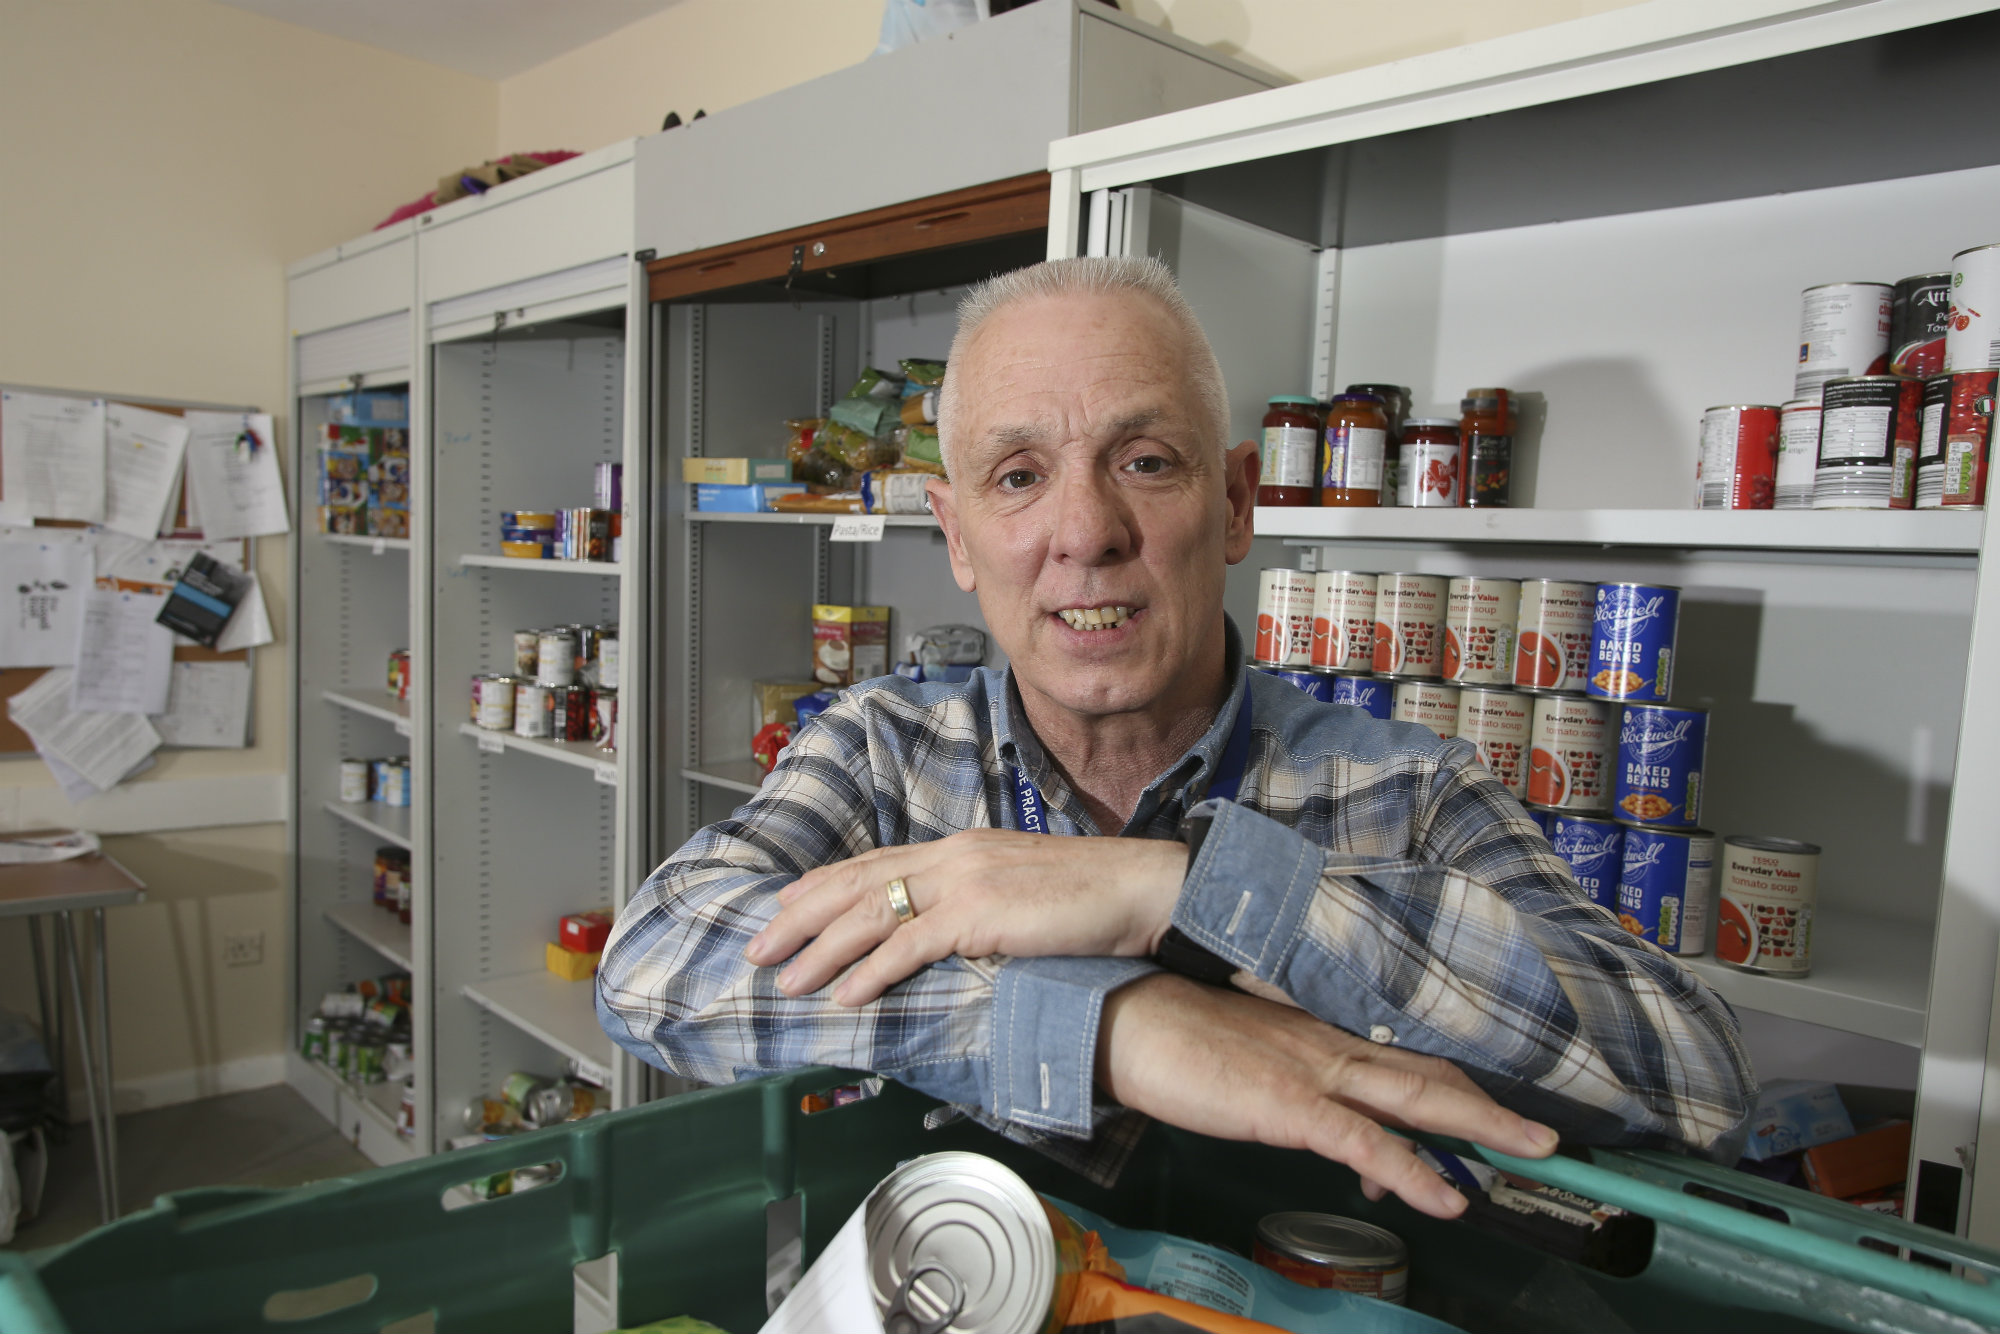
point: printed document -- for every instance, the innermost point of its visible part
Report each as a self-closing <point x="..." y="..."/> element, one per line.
<point x="232" y="467"/>
<point x="42" y="585"/>
<point x="142" y="467"/>
<point x="51" y="458"/>
<point x="208" y="705"/>
<point x="124" y="657"/>
<point x="102" y="747"/>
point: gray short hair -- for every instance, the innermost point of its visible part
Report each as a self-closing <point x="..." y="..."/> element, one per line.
<point x="1091" y="276"/>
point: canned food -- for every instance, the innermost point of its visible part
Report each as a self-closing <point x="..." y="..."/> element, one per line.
<point x="557" y="1103"/>
<point x="493" y="700"/>
<point x="1285" y="618"/>
<point x="1632" y="641"/>
<point x="1552" y="646"/>
<point x="607" y="656"/>
<point x="1930" y="443"/>
<point x="1661" y="753"/>
<point x="1373" y="697"/>
<point x="1769" y="889"/>
<point x="399" y="673"/>
<point x="1738" y="469"/>
<point x="342" y="1005"/>
<point x="555" y="656"/>
<point x="1343" y="620"/>
<point x="604" y="718"/>
<point x="1409" y="624"/>
<point x="1798" y="454"/>
<point x="1843" y="330"/>
<point x="570" y="713"/>
<point x="1594" y="847"/>
<point x="1427" y="475"/>
<point x="583" y="533"/>
<point x="490" y="1115"/>
<point x="1858" y="428"/>
<point x="538" y="520"/>
<point x="1496" y="722"/>
<point x="1480" y="615"/>
<point x="527" y="652"/>
<point x="312" y="1042"/>
<point x="354" y="775"/>
<point x="1304" y="678"/>
<point x="531" y="709"/>
<point x="1664" y="884"/>
<point x="394" y="776"/>
<point x="1968" y="440"/>
<point x="1919" y="318"/>
<point x="518" y="1087"/>
<point x="1327" y="1251"/>
<point x="1434" y="706"/>
<point x="586" y="653"/>
<point x="1972" y="332"/>
<point x="1570" y="749"/>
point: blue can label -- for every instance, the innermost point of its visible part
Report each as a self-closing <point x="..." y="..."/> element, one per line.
<point x="1664" y="886"/>
<point x="1632" y="641"/>
<point x="1661" y="753"/>
<point x="1364" y="692"/>
<point x="1595" y="851"/>
<point x="1311" y="682"/>
<point x="1544" y="820"/>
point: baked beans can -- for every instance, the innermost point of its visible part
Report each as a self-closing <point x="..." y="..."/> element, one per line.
<point x="1968" y="440"/>
<point x="1553" y="635"/>
<point x="604" y="720"/>
<point x="1480" y="618"/>
<point x="1496" y="722"/>
<point x="1594" y="847"/>
<point x="1409" y="625"/>
<point x="569" y="713"/>
<point x="1930" y="443"/>
<point x="1343" y="621"/>
<point x="1858" y="428"/>
<point x="1843" y="331"/>
<point x="531" y="708"/>
<point x="1571" y="749"/>
<point x="1739" y="458"/>
<point x="354" y="776"/>
<point x="1632" y="641"/>
<point x="1665" y="882"/>
<point x="1285" y="618"/>
<point x="555" y="656"/>
<point x="1306" y="679"/>
<point x="493" y="700"/>
<point x="1662" y="753"/>
<point x="1972" y="332"/>
<point x="1328" y="1251"/>
<point x="527" y="652"/>
<point x="1428" y="703"/>
<point x="1919" y="315"/>
<point x="1373" y="696"/>
<point x="1764" y="921"/>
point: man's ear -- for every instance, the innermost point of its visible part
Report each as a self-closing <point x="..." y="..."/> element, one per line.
<point x="945" y="506"/>
<point x="1240" y="475"/>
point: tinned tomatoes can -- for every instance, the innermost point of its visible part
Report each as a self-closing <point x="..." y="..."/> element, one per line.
<point x="1480" y="617"/>
<point x="1409" y="625"/>
<point x="1739" y="458"/>
<point x="1968" y="440"/>
<point x="1371" y="695"/>
<point x="1632" y="641"/>
<point x="1930" y="442"/>
<point x="1764" y="921"/>
<point x="1428" y="703"/>
<point x="1798" y="454"/>
<point x="1552" y="643"/>
<point x="1662" y="753"/>
<point x="1284" y="618"/>
<point x="1343" y="620"/>
<point x="1919" y="318"/>
<point x="1594" y="847"/>
<point x="1665" y="882"/>
<point x="1496" y="723"/>
<point x="1843" y="330"/>
<point x="1571" y="747"/>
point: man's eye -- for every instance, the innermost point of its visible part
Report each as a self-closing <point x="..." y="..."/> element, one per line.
<point x="1148" y="464"/>
<point x="1017" y="480"/>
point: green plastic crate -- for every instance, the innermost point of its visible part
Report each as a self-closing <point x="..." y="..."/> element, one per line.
<point x="679" y="1189"/>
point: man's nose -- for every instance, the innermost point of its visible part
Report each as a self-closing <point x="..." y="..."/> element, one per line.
<point x="1092" y="524"/>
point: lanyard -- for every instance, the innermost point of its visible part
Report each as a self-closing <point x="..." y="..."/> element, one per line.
<point x="1222" y="785"/>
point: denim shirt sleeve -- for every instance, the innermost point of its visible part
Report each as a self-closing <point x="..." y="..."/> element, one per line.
<point x="1045" y="1018"/>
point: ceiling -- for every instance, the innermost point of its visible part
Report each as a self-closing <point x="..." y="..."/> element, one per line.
<point x="488" y="38"/>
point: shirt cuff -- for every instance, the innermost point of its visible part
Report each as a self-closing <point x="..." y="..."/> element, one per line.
<point x="1244" y="899"/>
<point x="1045" y="1016"/>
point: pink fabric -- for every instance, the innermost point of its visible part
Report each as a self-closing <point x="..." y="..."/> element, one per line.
<point x="429" y="201"/>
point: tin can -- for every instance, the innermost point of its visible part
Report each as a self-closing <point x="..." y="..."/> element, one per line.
<point x="527" y="652"/>
<point x="354" y="776"/>
<point x="399" y="673"/>
<point x="1930" y="443"/>
<point x="607" y="656"/>
<point x="521" y="1085"/>
<point x="341" y="1005"/>
<point x="1542" y="817"/>
<point x="604" y="718"/>
<point x="1632" y="634"/>
<point x="570" y="713"/>
<point x="1665" y="882"/>
<point x="1480" y="616"/>
<point x="1552" y="643"/>
<point x="1919" y="316"/>
<point x="1798" y="454"/>
<point x="1409" y="625"/>
<point x="1374" y="697"/>
<point x="1857" y="436"/>
<point x="531" y="708"/>
<point x="1427" y="475"/>
<point x="1327" y="1251"/>
<point x="493" y="700"/>
<point x="1496" y="722"/>
<point x="1306" y="679"/>
<point x="1570" y="753"/>
<point x="1662" y="751"/>
<point x="1972" y="334"/>
<point x="395" y="783"/>
<point x="1843" y="331"/>
<point x="1284" y="618"/>
<point x="312" y="1042"/>
<point x="1343" y="623"/>
<point x="1428" y="703"/>
<point x="338" y="1040"/>
<point x="1738" y="469"/>
<point x="555" y="656"/>
<point x="1769" y="889"/>
<point x="587" y="646"/>
<point x="1968" y="440"/>
<point x="1594" y="847"/>
<point x="559" y="1102"/>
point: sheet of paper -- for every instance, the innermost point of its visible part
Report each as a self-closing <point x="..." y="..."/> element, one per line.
<point x="102" y="747"/>
<point x="142" y="464"/>
<point x="156" y="564"/>
<point x="124" y="657"/>
<point x="250" y="627"/>
<point x="207" y="705"/>
<point x="232" y="463"/>
<point x="834" y="1296"/>
<point x="43" y="581"/>
<point x="51" y="457"/>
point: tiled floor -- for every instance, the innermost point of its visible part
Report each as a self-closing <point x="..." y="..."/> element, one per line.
<point x="266" y="1137"/>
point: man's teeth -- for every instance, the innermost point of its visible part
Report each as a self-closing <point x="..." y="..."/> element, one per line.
<point x="1095" y="618"/>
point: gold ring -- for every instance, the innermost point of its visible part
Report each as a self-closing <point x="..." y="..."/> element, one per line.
<point x="899" y="901"/>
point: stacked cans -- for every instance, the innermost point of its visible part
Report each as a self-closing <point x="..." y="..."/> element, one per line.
<point x="384" y="781"/>
<point x="594" y="532"/>
<point x="563" y="686"/>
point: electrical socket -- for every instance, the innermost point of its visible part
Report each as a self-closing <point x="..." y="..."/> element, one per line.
<point x="242" y="948"/>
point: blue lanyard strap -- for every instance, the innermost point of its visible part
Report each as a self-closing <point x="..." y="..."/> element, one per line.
<point x="1223" y="785"/>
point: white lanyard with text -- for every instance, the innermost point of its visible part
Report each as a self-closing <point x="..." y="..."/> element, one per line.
<point x="1223" y="786"/>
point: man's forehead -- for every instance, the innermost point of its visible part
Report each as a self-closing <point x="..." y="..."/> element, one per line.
<point x="1092" y="365"/>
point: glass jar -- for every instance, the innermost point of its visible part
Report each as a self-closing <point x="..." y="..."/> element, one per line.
<point x="1351" y="450"/>
<point x="1429" y="477"/>
<point x="1486" y="448"/>
<point x="1396" y="407"/>
<point x="1291" y="450"/>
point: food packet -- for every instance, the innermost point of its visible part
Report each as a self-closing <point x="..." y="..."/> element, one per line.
<point x="819" y="468"/>
<point x="870" y="416"/>
<point x="802" y="432"/>
<point x="920" y="450"/>
<point x="921" y="373"/>
<point x="888" y="491"/>
<point x="858" y="450"/>
<point x="877" y="384"/>
<point x="920" y="409"/>
<point x="846" y="502"/>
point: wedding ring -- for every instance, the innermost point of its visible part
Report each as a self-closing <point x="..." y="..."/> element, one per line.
<point x="899" y="901"/>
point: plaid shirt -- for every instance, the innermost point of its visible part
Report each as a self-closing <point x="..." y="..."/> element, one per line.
<point x="1377" y="875"/>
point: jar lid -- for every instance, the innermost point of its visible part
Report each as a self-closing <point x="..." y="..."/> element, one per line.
<point x="1451" y="422"/>
<point x="1481" y="404"/>
<point x="1376" y="399"/>
<point x="1306" y="399"/>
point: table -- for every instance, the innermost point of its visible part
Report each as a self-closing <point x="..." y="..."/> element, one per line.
<point x="87" y="884"/>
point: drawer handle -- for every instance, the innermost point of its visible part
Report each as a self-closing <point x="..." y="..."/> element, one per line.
<point x="943" y="218"/>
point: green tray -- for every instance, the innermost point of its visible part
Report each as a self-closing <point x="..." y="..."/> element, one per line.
<point x="680" y="1190"/>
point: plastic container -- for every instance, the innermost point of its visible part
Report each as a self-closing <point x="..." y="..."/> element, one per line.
<point x="684" y="1191"/>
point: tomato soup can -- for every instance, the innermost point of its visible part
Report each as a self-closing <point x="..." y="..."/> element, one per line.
<point x="531" y="708"/>
<point x="1409" y="625"/>
<point x="1857" y="439"/>
<point x="1316" y="684"/>
<point x="1328" y="1251"/>
<point x="1480" y="617"/>
<point x="1665" y="882"/>
<point x="1632" y="633"/>
<point x="1594" y="847"/>
<point x="1371" y="695"/>
<point x="1968" y="440"/>
<point x="1496" y="723"/>
<point x="1552" y="640"/>
<point x="1343" y="621"/>
<point x="1843" y="330"/>
<point x="1426" y="702"/>
<point x="1763" y="923"/>
<point x="1919" y="317"/>
<point x="1798" y="454"/>
<point x="1571" y="748"/>
<point x="1739" y="458"/>
<point x="1284" y="618"/>
<point x="1972" y="329"/>
<point x="1662" y="751"/>
<point x="1930" y="443"/>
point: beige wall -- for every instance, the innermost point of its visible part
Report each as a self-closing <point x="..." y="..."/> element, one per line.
<point x="165" y="159"/>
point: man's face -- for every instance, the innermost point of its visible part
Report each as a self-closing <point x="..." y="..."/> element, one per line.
<point x="1085" y="491"/>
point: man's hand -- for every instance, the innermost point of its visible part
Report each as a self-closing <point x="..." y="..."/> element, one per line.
<point x="1237" y="1067"/>
<point x="985" y="891"/>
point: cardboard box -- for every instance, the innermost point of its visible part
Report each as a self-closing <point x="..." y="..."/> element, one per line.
<point x="1873" y="1160"/>
<point x="735" y="472"/>
<point x="572" y="965"/>
<point x="849" y="643"/>
<point x="753" y="499"/>
<point x="584" y="932"/>
<point x="771" y="702"/>
<point x="1794" y="1114"/>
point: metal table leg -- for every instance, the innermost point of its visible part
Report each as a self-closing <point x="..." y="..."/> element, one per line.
<point x="66" y="942"/>
<point x="48" y="997"/>
<point x="104" y="1062"/>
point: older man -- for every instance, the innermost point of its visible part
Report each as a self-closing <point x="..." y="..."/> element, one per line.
<point x="1310" y="924"/>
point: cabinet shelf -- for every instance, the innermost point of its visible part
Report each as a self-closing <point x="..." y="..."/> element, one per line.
<point x="377" y="544"/>
<point x="732" y="775"/>
<point x="378" y="1104"/>
<point x="479" y="560"/>
<point x="1871" y="975"/>
<point x="375" y="928"/>
<point x="1928" y="532"/>
<point x="582" y="754"/>
<point x="809" y="520"/>
<point x="381" y="704"/>
<point x="389" y="823"/>
<point x="559" y="1014"/>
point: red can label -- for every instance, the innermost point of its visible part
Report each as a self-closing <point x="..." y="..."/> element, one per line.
<point x="1569" y="758"/>
<point x="1968" y="439"/>
<point x="1496" y="721"/>
<point x="1739" y="459"/>
<point x="1552" y="650"/>
<point x="1479" y="620"/>
<point x="1343" y="626"/>
<point x="1409" y="624"/>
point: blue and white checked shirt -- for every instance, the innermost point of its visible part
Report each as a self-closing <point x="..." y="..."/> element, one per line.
<point x="1378" y="876"/>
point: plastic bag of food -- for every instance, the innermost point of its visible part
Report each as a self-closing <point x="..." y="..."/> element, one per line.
<point x="819" y="468"/>
<point x="877" y="384"/>
<point x="846" y="502"/>
<point x="892" y="491"/>
<point x="858" y="450"/>
<point x="803" y="430"/>
<point x="920" y="450"/>
<point x="921" y="374"/>
<point x="920" y="409"/>
<point x="870" y="416"/>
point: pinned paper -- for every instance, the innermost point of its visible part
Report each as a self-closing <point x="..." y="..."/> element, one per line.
<point x="42" y="586"/>
<point x="250" y="627"/>
<point x="51" y="458"/>
<point x="142" y="468"/>
<point x="208" y="704"/>
<point x="101" y="747"/>
<point x="124" y="658"/>
<point x="232" y="466"/>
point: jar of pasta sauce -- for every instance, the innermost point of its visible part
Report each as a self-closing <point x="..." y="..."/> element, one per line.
<point x="1291" y="451"/>
<point x="1350" y="456"/>
<point x="1486" y="448"/>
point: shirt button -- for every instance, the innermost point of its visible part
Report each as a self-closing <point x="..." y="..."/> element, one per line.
<point x="1383" y="1034"/>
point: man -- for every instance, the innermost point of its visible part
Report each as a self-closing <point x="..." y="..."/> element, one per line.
<point x="1371" y="932"/>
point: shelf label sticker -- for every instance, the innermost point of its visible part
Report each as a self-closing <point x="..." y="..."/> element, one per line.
<point x="381" y="545"/>
<point x="490" y="743"/>
<point x="590" y="1072"/>
<point x="402" y="727"/>
<point x="857" y="528"/>
<point x="606" y="772"/>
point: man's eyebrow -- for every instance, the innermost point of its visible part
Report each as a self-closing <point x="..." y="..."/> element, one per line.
<point x="1017" y="434"/>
